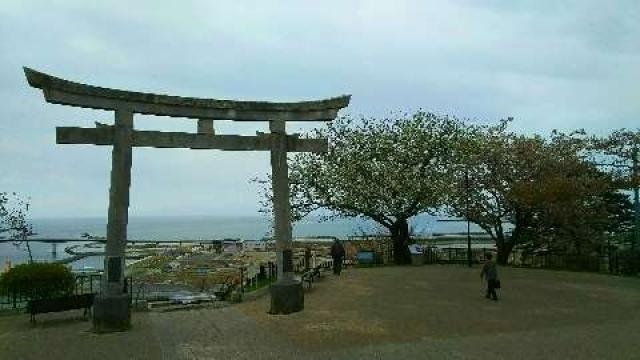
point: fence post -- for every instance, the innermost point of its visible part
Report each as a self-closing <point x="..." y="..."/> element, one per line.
<point x="131" y="291"/>
<point x="612" y="268"/>
<point x="241" y="279"/>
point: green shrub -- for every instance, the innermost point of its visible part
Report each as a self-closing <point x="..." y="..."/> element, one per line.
<point x="38" y="280"/>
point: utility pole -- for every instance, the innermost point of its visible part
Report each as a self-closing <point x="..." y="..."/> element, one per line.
<point x="636" y="199"/>
<point x="466" y="185"/>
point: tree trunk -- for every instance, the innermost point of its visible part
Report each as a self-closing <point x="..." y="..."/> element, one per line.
<point x="503" y="252"/>
<point x="29" y="251"/>
<point x="400" y="237"/>
<point x="504" y="247"/>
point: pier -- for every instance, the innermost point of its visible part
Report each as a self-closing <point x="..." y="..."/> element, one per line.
<point x="64" y="240"/>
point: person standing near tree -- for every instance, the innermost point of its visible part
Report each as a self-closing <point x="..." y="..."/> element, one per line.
<point x="490" y="271"/>
<point x="337" y="253"/>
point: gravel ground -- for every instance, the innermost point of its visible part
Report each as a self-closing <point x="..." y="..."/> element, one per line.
<point x="436" y="312"/>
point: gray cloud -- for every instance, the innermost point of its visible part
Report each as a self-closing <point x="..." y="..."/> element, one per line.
<point x="563" y="64"/>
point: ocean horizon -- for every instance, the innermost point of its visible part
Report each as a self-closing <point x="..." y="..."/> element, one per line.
<point x="171" y="228"/>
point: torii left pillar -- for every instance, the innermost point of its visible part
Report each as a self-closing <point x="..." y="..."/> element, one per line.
<point x="287" y="295"/>
<point x="111" y="308"/>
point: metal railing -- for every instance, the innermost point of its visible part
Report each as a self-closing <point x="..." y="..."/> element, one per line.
<point x="454" y="255"/>
<point x="17" y="300"/>
<point x="268" y="274"/>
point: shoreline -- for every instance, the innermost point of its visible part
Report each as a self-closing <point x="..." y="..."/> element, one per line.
<point x="43" y="248"/>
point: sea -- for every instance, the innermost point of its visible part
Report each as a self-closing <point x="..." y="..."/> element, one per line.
<point x="172" y="228"/>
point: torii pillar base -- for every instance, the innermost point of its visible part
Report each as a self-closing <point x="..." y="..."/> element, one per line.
<point x="111" y="313"/>
<point x="287" y="297"/>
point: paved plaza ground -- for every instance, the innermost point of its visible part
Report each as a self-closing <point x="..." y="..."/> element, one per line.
<point x="429" y="312"/>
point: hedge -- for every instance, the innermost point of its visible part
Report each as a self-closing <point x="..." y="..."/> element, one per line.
<point x="38" y="280"/>
<point x="629" y="261"/>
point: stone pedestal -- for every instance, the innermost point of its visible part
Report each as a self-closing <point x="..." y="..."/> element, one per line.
<point x="111" y="313"/>
<point x="287" y="297"/>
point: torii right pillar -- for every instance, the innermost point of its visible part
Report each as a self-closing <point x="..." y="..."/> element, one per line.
<point x="287" y="295"/>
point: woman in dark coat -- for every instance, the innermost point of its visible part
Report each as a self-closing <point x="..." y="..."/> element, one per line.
<point x="490" y="271"/>
<point x="337" y="253"/>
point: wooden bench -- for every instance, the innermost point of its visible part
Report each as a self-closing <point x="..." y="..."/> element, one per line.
<point x="64" y="303"/>
<point x="310" y="275"/>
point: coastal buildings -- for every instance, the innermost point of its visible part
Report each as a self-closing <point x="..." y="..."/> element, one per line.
<point x="255" y="245"/>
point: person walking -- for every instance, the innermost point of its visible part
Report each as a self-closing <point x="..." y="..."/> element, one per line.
<point x="337" y="253"/>
<point x="490" y="272"/>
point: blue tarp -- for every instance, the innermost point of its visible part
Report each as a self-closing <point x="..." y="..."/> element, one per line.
<point x="365" y="257"/>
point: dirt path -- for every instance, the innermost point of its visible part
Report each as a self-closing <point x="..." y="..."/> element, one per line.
<point x="67" y="336"/>
<point x="441" y="308"/>
<point x="381" y="313"/>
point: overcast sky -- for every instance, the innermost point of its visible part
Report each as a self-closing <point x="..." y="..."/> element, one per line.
<point x="549" y="64"/>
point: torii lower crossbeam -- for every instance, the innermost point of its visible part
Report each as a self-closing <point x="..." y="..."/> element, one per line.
<point x="160" y="139"/>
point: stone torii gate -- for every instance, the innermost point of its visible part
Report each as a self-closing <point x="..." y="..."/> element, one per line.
<point x="111" y="307"/>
